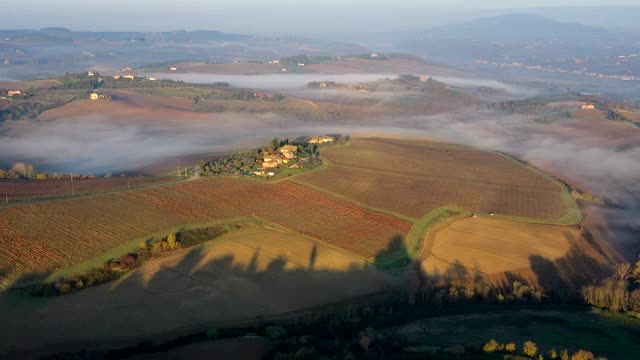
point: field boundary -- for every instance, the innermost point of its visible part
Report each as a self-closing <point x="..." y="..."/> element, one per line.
<point x="414" y="241"/>
<point x="111" y="191"/>
<point x="347" y="199"/>
<point x="133" y="244"/>
<point x="573" y="216"/>
<point x="434" y="220"/>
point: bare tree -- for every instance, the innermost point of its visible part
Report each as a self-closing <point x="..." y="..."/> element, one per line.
<point x="623" y="271"/>
<point x="25" y="170"/>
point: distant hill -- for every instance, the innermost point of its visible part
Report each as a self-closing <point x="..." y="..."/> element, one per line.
<point x="531" y="48"/>
<point x="515" y="26"/>
<point x="50" y="52"/>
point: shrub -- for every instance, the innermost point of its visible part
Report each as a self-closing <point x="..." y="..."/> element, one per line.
<point x="491" y="346"/>
<point x="156" y="248"/>
<point x="130" y="261"/>
<point x="510" y="347"/>
<point x="275" y="332"/>
<point x="530" y="348"/>
<point x="64" y="289"/>
<point x="583" y="355"/>
<point x="172" y="242"/>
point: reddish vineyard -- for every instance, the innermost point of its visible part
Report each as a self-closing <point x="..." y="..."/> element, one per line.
<point x="414" y="178"/>
<point x="53" y="235"/>
<point x="19" y="190"/>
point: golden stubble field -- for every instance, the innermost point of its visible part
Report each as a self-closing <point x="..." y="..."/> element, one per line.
<point x="491" y="248"/>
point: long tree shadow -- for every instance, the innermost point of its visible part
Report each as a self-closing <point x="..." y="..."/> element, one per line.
<point x="200" y="288"/>
<point x="396" y="255"/>
<point x="32" y="282"/>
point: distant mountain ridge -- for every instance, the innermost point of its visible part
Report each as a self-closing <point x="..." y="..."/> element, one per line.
<point x="63" y="33"/>
<point x="515" y="26"/>
<point x="50" y="52"/>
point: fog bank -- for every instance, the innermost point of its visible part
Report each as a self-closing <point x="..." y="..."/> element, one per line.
<point x="272" y="81"/>
<point x="100" y="144"/>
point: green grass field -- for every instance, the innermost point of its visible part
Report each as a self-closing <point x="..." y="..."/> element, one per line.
<point x="605" y="334"/>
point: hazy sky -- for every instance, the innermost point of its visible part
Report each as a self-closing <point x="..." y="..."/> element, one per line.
<point x="307" y="17"/>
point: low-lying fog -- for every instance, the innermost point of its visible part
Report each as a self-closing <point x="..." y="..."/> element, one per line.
<point x="272" y="81"/>
<point x="287" y="82"/>
<point x="100" y="144"/>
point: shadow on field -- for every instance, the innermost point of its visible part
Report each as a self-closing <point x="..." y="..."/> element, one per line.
<point x="581" y="265"/>
<point x="11" y="278"/>
<point x="396" y="255"/>
<point x="203" y="287"/>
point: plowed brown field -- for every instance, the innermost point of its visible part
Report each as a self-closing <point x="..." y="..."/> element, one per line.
<point x="411" y="178"/>
<point x="54" y="235"/>
<point x="18" y="190"/>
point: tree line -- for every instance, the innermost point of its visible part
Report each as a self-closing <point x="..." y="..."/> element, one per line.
<point x="115" y="268"/>
<point x="22" y="170"/>
<point x="531" y="350"/>
<point x="619" y="292"/>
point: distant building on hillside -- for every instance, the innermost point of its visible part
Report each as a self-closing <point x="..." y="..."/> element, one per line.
<point x="374" y="55"/>
<point x="14" y="93"/>
<point x="117" y="77"/>
<point x="588" y="107"/>
<point x="288" y="151"/>
<point x="130" y="77"/>
<point x="424" y="78"/>
<point x="321" y="140"/>
<point x="283" y="70"/>
<point x="173" y="68"/>
<point x="96" y="96"/>
<point x="301" y="64"/>
<point x="271" y="161"/>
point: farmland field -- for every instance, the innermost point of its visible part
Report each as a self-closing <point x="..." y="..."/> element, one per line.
<point x="254" y="272"/>
<point x="412" y="178"/>
<point x="489" y="246"/>
<point x="610" y="335"/>
<point x="50" y="236"/>
<point x="18" y="190"/>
